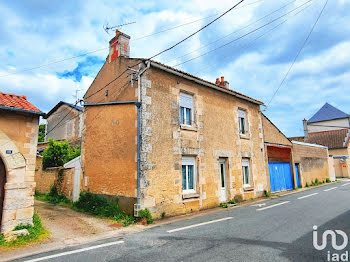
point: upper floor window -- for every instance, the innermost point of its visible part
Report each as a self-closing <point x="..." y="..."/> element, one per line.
<point x="186" y="109"/>
<point x="188" y="175"/>
<point x="242" y="122"/>
<point x="246" y="171"/>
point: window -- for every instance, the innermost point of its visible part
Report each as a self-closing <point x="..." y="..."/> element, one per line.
<point x="242" y="122"/>
<point x="188" y="175"/>
<point x="246" y="172"/>
<point x="186" y="109"/>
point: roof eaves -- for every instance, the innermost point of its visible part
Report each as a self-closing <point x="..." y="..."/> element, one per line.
<point x="20" y="110"/>
<point x="202" y="81"/>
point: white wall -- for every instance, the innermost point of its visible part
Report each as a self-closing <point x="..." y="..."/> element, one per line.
<point x="328" y="125"/>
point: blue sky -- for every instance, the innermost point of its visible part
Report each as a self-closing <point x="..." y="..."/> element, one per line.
<point x="39" y="32"/>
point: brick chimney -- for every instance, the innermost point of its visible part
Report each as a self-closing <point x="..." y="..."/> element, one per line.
<point x="222" y="82"/>
<point x="119" y="46"/>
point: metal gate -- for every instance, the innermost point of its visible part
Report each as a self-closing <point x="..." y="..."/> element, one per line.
<point x="297" y="175"/>
<point x="280" y="176"/>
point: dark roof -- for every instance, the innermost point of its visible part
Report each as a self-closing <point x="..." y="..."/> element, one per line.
<point x="331" y="139"/>
<point x="17" y="103"/>
<point x="79" y="108"/>
<point x="327" y="112"/>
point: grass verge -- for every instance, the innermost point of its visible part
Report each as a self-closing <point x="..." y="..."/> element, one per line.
<point x="37" y="232"/>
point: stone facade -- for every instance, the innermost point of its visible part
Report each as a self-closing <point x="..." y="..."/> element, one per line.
<point x="18" y="144"/>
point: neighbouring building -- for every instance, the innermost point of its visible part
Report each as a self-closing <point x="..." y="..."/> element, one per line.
<point x="167" y="140"/>
<point x="64" y="122"/>
<point x="19" y="122"/>
<point x="291" y="164"/>
<point x="330" y="127"/>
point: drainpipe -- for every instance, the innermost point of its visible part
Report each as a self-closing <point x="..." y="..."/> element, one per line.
<point x="140" y="72"/>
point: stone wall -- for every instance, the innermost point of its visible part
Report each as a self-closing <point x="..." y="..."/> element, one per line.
<point x="313" y="162"/>
<point x="214" y="136"/>
<point x="18" y="140"/>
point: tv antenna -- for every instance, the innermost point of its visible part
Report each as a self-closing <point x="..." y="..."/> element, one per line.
<point x="107" y="28"/>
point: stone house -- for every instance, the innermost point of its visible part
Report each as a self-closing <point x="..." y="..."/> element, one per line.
<point x="19" y="122"/>
<point x="330" y="127"/>
<point x="69" y="128"/>
<point x="167" y="140"/>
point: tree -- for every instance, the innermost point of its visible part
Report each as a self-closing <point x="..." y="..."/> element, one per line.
<point x="41" y="136"/>
<point x="58" y="153"/>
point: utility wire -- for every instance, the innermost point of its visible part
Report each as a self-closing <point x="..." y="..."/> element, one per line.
<point x="200" y="29"/>
<point x="240" y="29"/>
<point x="242" y="36"/>
<point x="167" y="49"/>
<point x="105" y="48"/>
<point x="252" y="41"/>
<point x="301" y="48"/>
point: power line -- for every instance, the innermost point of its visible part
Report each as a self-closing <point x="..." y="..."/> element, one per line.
<point x="240" y="37"/>
<point x="240" y="29"/>
<point x="301" y="48"/>
<point x="200" y="29"/>
<point x="167" y="49"/>
<point x="251" y="42"/>
<point x="105" y="48"/>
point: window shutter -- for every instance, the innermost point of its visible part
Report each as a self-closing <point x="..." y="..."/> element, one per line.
<point x="186" y="100"/>
<point x="187" y="161"/>
<point x="241" y="113"/>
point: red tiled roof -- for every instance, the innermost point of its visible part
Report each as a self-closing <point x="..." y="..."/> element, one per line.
<point x="332" y="139"/>
<point x="13" y="101"/>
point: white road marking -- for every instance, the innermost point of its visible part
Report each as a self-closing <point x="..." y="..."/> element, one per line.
<point x="75" y="251"/>
<point x="346" y="184"/>
<point x="259" y="205"/>
<point x="275" y="205"/>
<point x="308" y="196"/>
<point x="329" y="189"/>
<point x="200" y="224"/>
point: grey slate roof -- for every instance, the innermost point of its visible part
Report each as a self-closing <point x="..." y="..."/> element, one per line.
<point x="327" y="112"/>
<point x="79" y="108"/>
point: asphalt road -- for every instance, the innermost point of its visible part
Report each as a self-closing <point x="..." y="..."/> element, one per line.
<point x="280" y="230"/>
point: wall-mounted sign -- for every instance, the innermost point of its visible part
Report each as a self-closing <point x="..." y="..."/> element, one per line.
<point x="341" y="157"/>
<point x="9" y="152"/>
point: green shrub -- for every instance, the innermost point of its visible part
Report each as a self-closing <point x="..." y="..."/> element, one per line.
<point x="41" y="133"/>
<point x="224" y="205"/>
<point x="96" y="205"/>
<point x="267" y="193"/>
<point x="58" y="153"/>
<point x="128" y="220"/>
<point x="36" y="232"/>
<point x="316" y="181"/>
<point x="232" y="202"/>
<point x="145" y="213"/>
<point x="306" y="185"/>
<point x="56" y="198"/>
<point x="328" y="180"/>
<point x="163" y="214"/>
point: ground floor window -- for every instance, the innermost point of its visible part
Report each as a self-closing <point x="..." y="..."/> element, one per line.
<point x="246" y="171"/>
<point x="188" y="175"/>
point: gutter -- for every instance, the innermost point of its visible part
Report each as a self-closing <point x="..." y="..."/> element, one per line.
<point x="22" y="110"/>
<point x="114" y="103"/>
<point x="141" y="71"/>
<point x="201" y="82"/>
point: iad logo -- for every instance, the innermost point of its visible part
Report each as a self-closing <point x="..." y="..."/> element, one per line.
<point x="333" y="236"/>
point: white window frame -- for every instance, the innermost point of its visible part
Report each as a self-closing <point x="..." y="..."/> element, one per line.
<point x="245" y="163"/>
<point x="242" y="115"/>
<point x="186" y="102"/>
<point x="188" y="161"/>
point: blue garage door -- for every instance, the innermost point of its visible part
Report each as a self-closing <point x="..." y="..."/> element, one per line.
<point x="280" y="176"/>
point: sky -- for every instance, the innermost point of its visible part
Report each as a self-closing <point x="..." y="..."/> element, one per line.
<point x="254" y="61"/>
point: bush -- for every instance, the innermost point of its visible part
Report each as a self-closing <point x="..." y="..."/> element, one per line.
<point x="224" y="205"/>
<point x="306" y="185"/>
<point x="56" y="198"/>
<point x="145" y="213"/>
<point x="267" y="193"/>
<point x="99" y="206"/>
<point x="232" y="202"/>
<point x="128" y="220"/>
<point x="163" y="214"/>
<point x="58" y="153"/>
<point x="41" y="133"/>
<point x="328" y="180"/>
<point x="36" y="232"/>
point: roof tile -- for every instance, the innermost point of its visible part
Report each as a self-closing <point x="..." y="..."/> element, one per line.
<point x="16" y="101"/>
<point x="332" y="139"/>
